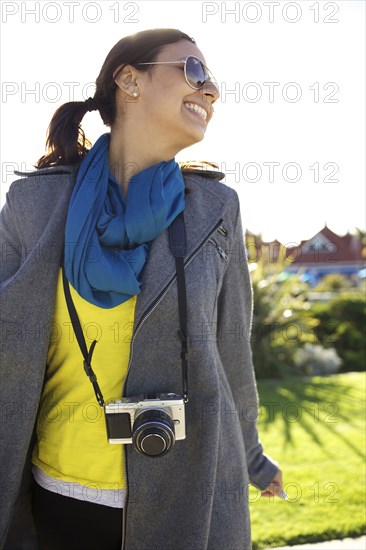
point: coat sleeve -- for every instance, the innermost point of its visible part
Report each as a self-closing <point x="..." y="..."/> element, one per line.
<point x="10" y="243"/>
<point x="234" y="326"/>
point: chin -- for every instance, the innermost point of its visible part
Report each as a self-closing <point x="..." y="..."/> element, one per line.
<point x="196" y="137"/>
<point x="187" y="136"/>
<point x="193" y="131"/>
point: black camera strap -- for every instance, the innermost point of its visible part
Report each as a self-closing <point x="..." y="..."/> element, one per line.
<point x="87" y="354"/>
<point x="178" y="247"/>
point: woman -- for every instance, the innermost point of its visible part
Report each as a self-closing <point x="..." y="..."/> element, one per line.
<point x="105" y="215"/>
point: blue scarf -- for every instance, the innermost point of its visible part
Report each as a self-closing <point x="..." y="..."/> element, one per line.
<point x="107" y="235"/>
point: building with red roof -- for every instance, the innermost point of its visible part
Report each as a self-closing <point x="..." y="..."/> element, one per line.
<point x="323" y="254"/>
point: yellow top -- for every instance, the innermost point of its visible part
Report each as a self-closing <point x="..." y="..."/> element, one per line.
<point x="72" y="441"/>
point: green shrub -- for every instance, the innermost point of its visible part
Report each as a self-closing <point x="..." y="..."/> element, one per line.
<point x="282" y="323"/>
<point x="341" y="324"/>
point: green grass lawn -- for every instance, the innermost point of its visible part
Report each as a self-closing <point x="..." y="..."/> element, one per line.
<point x="314" y="427"/>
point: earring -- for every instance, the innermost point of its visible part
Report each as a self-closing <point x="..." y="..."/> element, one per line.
<point x="135" y="93"/>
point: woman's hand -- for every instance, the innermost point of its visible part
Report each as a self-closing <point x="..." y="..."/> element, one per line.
<point x="275" y="488"/>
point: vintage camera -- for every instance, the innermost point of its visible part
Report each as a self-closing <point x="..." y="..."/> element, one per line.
<point x="152" y="425"/>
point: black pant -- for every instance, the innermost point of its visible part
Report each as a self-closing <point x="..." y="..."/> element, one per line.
<point x="65" y="523"/>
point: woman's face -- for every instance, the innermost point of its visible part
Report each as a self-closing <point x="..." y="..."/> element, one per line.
<point x="166" y="100"/>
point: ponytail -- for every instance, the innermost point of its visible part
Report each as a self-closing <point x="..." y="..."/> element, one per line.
<point x="66" y="142"/>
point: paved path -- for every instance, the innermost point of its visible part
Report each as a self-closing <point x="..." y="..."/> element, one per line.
<point x="344" y="544"/>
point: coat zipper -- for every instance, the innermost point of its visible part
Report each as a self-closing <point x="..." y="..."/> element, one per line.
<point x="222" y="252"/>
<point x="143" y="319"/>
<point x="223" y="231"/>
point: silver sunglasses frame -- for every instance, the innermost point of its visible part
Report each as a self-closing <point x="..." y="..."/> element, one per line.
<point x="210" y="78"/>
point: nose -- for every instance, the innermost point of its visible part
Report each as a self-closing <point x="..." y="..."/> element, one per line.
<point x="211" y="91"/>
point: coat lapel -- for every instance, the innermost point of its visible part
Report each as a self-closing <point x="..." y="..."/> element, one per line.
<point x="203" y="210"/>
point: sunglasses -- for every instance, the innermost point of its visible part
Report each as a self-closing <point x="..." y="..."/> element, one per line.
<point x="195" y="72"/>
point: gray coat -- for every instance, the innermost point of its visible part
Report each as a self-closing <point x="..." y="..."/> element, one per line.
<point x="196" y="496"/>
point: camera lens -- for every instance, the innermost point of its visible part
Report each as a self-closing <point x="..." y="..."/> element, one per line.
<point x="153" y="432"/>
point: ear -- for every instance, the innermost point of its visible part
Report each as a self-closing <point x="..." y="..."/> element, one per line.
<point x="125" y="78"/>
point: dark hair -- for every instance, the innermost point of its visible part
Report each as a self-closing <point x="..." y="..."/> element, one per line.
<point x="66" y="141"/>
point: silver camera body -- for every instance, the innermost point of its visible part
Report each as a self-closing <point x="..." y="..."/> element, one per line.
<point x="151" y="425"/>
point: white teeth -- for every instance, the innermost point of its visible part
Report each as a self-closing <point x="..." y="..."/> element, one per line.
<point x="197" y="108"/>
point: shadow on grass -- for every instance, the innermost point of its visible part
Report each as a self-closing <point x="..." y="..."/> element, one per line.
<point x="311" y="403"/>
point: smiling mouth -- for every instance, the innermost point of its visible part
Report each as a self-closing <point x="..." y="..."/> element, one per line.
<point x="197" y="109"/>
